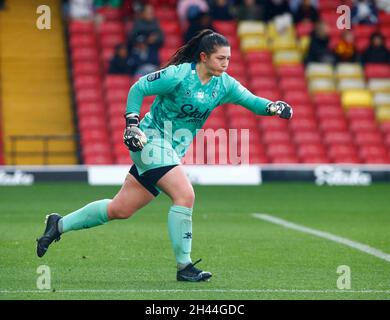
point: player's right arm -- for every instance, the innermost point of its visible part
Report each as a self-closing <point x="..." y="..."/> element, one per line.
<point x="157" y="83"/>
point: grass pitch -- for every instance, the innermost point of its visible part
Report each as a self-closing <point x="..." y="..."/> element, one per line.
<point x="249" y="258"/>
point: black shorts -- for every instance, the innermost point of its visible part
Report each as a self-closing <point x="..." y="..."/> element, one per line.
<point x="149" y="178"/>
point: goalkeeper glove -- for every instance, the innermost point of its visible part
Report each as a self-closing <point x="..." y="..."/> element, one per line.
<point x="280" y="108"/>
<point x="133" y="137"/>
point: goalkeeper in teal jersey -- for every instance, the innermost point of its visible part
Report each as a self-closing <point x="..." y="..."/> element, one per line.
<point x="193" y="83"/>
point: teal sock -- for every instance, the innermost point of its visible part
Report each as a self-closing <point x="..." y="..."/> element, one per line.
<point x="180" y="233"/>
<point x="92" y="215"/>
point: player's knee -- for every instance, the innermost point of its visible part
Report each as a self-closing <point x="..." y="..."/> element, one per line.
<point x="119" y="211"/>
<point x="185" y="199"/>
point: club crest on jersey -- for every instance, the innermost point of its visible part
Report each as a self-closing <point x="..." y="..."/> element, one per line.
<point x="214" y="94"/>
<point x="153" y="76"/>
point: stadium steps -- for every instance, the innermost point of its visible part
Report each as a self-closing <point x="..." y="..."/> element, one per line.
<point x="35" y="89"/>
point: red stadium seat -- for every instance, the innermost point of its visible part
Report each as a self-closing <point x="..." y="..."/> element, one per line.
<point x="302" y="111"/>
<point x="385" y="127"/>
<point x="234" y="42"/>
<point x="111" y="27"/>
<point x="115" y="123"/>
<point x="272" y="95"/>
<point x="86" y="82"/>
<point x="341" y="137"/>
<point x="258" y="57"/>
<point x="361" y="113"/>
<point x="285" y="159"/>
<point x="166" y="54"/>
<point x="304" y="137"/>
<point x="270" y="137"/>
<point x="91" y="109"/>
<point x="310" y="150"/>
<point x="81" y="27"/>
<point x="315" y="159"/>
<point x="362" y="44"/>
<point x="280" y="150"/>
<point x="296" y="97"/>
<point x="259" y="83"/>
<point x="117" y="82"/>
<point x="106" y="54"/>
<point x="364" y="30"/>
<point x="117" y="95"/>
<point x="111" y="40"/>
<point x="368" y="138"/>
<point x="235" y="111"/>
<point x="242" y="122"/>
<point x="304" y="124"/>
<point x="304" y="28"/>
<point x="272" y="124"/>
<point x="83" y="41"/>
<point x="334" y="124"/>
<point x="89" y="95"/>
<point x="84" y="54"/>
<point x="170" y="27"/>
<point x="294" y="70"/>
<point x="258" y="158"/>
<point x="98" y="159"/>
<point x="174" y="41"/>
<point x="346" y="159"/>
<point x="94" y="135"/>
<point x="110" y="13"/>
<point x="362" y="125"/>
<point x="116" y="109"/>
<point x="326" y="98"/>
<point x="371" y="151"/>
<point x="377" y="70"/>
<point x="293" y="83"/>
<point x="260" y="69"/>
<point x="236" y="69"/>
<point x="341" y="150"/>
<point x="225" y="27"/>
<point x="215" y="123"/>
<point x="123" y="159"/>
<point x="377" y="160"/>
<point x="165" y="13"/>
<point x="384" y="18"/>
<point x="85" y="68"/>
<point x="329" y="112"/>
<point x="91" y="122"/>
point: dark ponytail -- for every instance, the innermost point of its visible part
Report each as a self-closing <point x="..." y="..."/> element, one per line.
<point x="205" y="41"/>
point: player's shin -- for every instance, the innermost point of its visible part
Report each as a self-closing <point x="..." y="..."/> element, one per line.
<point x="180" y="233"/>
<point x="92" y="215"/>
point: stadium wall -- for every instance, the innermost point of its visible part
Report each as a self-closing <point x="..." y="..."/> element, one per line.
<point x="204" y="175"/>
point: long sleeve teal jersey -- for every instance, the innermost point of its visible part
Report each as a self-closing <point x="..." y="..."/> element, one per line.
<point x="184" y="102"/>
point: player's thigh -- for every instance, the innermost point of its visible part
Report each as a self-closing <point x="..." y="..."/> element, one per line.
<point x="130" y="198"/>
<point x="178" y="187"/>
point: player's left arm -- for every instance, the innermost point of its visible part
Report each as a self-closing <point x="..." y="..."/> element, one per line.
<point x="238" y="94"/>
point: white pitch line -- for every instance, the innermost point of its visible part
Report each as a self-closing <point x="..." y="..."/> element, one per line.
<point x="192" y="290"/>
<point x="345" y="241"/>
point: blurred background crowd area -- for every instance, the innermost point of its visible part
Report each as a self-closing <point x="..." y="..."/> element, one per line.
<point x="337" y="79"/>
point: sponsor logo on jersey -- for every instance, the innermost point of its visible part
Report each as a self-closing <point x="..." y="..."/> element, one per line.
<point x="190" y="111"/>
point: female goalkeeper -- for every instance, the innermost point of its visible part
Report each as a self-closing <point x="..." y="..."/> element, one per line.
<point x="193" y="83"/>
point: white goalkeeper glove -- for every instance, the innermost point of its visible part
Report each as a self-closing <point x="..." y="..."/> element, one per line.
<point x="280" y="108"/>
<point x="133" y="137"/>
